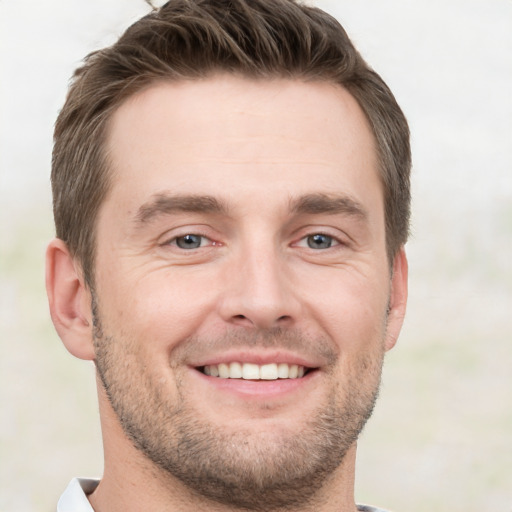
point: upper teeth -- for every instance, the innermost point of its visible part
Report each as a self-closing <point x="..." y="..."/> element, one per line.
<point x="251" y="371"/>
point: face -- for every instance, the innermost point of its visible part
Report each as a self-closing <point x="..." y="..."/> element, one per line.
<point x="243" y="298"/>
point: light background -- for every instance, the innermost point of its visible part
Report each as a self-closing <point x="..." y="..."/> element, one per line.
<point x="441" y="437"/>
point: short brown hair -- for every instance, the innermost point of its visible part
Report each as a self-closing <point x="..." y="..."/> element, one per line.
<point x="192" y="39"/>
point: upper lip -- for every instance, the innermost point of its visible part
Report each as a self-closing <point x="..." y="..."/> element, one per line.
<point x="259" y="358"/>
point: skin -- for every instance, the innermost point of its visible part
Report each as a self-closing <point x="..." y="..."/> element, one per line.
<point x="283" y="160"/>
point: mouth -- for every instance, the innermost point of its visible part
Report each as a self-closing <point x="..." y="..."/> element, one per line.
<point x="255" y="372"/>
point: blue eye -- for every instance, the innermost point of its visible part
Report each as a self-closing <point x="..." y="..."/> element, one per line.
<point x="320" y="241"/>
<point x="189" y="241"/>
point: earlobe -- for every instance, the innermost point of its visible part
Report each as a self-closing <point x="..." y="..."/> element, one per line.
<point x="397" y="299"/>
<point x="69" y="300"/>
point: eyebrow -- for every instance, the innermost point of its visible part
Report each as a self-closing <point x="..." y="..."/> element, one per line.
<point x="316" y="204"/>
<point x="164" y="204"/>
<point x="312" y="204"/>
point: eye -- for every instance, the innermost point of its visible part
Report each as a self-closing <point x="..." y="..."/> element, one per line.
<point x="318" y="241"/>
<point x="190" y="241"/>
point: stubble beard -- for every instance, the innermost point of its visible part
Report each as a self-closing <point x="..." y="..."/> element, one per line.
<point x="249" y="470"/>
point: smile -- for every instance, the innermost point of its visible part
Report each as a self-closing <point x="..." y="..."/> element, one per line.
<point x="250" y="371"/>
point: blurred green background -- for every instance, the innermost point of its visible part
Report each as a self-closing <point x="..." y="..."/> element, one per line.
<point x="441" y="436"/>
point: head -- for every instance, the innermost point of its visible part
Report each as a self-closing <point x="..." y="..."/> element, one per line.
<point x="183" y="41"/>
<point x="231" y="187"/>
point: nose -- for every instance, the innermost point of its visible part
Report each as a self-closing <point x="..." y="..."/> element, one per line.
<point x="260" y="291"/>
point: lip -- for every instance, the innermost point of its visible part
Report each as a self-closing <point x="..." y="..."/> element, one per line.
<point x="263" y="389"/>
<point x="258" y="389"/>
<point x="259" y="358"/>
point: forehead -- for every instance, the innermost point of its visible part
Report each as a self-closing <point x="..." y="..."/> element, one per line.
<point x="241" y="139"/>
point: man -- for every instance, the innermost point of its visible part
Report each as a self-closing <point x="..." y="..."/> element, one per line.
<point x="231" y="197"/>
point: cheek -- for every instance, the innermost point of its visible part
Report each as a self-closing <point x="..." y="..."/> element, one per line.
<point x="160" y="307"/>
<point x="351" y="308"/>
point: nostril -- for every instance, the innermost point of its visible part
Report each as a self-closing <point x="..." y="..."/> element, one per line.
<point x="241" y="320"/>
<point x="262" y="320"/>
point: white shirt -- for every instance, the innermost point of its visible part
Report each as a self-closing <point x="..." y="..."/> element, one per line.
<point x="74" y="498"/>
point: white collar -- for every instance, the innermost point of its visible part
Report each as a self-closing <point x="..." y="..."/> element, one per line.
<point x="74" y="498"/>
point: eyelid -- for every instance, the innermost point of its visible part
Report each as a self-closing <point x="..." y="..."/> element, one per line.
<point x="173" y="241"/>
<point x="339" y="237"/>
<point x="170" y="236"/>
<point x="302" y="242"/>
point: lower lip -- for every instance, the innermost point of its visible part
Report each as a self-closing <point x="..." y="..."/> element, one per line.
<point x="258" y="388"/>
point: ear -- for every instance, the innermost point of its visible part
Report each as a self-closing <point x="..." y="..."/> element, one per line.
<point x="397" y="299"/>
<point x="69" y="300"/>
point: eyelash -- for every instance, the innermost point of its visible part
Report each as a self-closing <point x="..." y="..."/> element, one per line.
<point x="306" y="240"/>
<point x="175" y="241"/>
<point x="334" y="242"/>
